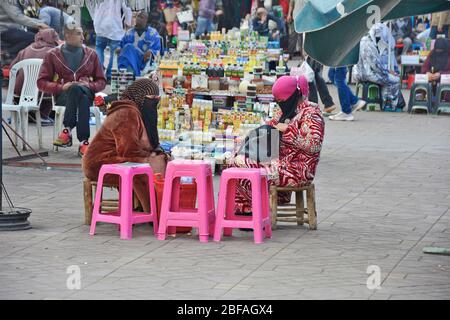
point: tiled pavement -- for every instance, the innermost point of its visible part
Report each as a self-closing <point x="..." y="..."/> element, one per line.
<point x="383" y="193"/>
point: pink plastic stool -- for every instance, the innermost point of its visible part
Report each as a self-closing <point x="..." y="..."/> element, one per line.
<point x="226" y="218"/>
<point x="202" y="218"/>
<point x="125" y="217"/>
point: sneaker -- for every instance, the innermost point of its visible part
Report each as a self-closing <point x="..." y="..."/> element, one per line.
<point x="47" y="122"/>
<point x="82" y="149"/>
<point x="341" y="116"/>
<point x="359" y="105"/>
<point x="329" y="110"/>
<point x="64" y="139"/>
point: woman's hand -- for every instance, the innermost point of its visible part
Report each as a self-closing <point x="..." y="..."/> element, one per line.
<point x="282" y="127"/>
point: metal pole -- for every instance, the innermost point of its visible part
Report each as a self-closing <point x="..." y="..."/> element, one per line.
<point x="389" y="46"/>
<point x="1" y="136"/>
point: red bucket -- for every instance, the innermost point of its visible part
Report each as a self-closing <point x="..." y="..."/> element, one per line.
<point x="188" y="194"/>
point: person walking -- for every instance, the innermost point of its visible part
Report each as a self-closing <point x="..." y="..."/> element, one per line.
<point x="349" y="102"/>
<point x="109" y="18"/>
<point x="319" y="85"/>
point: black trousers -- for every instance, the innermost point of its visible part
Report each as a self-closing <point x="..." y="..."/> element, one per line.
<point x="319" y="85"/>
<point x="14" y="40"/>
<point x="78" y="100"/>
<point x="294" y="39"/>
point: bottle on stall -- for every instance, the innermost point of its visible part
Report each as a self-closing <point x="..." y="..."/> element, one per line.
<point x="228" y="72"/>
<point x="433" y="83"/>
<point x="221" y="71"/>
<point x="241" y="72"/>
<point x="216" y="71"/>
<point x="428" y="43"/>
<point x="281" y="61"/>
<point x="235" y="71"/>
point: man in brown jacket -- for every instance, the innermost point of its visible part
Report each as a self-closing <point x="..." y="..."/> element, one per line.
<point x="72" y="73"/>
<point x="440" y="23"/>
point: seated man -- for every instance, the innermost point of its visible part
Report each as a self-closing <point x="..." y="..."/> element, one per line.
<point x="138" y="45"/>
<point x="402" y="31"/>
<point x="72" y="72"/>
<point x="261" y="25"/>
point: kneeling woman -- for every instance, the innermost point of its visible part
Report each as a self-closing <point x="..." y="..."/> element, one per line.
<point x="129" y="134"/>
<point x="301" y="127"/>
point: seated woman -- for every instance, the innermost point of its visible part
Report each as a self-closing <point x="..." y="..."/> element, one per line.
<point x="373" y="65"/>
<point x="44" y="41"/>
<point x="129" y="134"/>
<point x="438" y="63"/>
<point x="301" y="126"/>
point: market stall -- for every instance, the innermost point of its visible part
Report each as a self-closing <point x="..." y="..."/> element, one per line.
<point x="215" y="91"/>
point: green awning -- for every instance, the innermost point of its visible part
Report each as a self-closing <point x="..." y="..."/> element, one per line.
<point x="334" y="28"/>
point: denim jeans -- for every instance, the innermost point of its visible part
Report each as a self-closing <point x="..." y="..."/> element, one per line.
<point x="338" y="76"/>
<point x="434" y="32"/>
<point x="203" y="25"/>
<point x="100" y="45"/>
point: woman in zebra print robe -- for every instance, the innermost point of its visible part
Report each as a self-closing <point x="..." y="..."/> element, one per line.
<point x="301" y="126"/>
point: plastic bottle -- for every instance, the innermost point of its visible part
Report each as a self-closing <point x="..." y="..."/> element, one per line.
<point x="235" y="71"/>
<point x="241" y="71"/>
<point x="428" y="44"/>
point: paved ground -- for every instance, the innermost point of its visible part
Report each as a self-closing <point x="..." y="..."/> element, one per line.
<point x="383" y="193"/>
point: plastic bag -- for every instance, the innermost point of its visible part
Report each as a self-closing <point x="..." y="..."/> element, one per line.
<point x="304" y="70"/>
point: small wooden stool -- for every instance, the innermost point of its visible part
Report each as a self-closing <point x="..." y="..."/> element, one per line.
<point x="294" y="212"/>
<point x="89" y="188"/>
<point x="111" y="205"/>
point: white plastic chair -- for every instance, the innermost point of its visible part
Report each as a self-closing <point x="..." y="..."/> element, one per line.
<point x="59" y="118"/>
<point x="9" y="105"/>
<point x="29" y="98"/>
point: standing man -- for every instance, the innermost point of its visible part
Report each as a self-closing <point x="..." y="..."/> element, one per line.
<point x="295" y="39"/>
<point x="72" y="72"/>
<point x="206" y="13"/>
<point x="440" y="23"/>
<point x="109" y="17"/>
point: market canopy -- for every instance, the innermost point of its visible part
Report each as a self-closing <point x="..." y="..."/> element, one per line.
<point x="334" y="28"/>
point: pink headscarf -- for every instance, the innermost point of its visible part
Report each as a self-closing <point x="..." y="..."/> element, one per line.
<point x="285" y="86"/>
